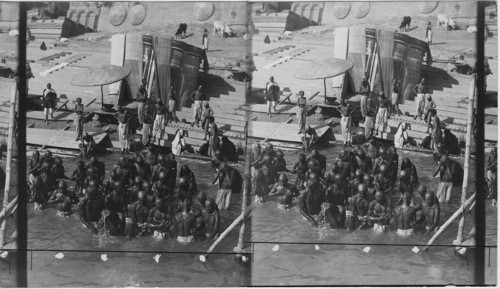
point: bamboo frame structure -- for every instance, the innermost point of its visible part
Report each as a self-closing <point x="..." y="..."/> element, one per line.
<point x="10" y="142"/>
<point x="468" y="140"/>
<point x="246" y="188"/>
<point x="450" y="220"/>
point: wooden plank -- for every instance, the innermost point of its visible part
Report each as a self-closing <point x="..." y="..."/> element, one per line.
<point x="58" y="138"/>
<point x="280" y="131"/>
<point x="58" y="115"/>
<point x="282" y="109"/>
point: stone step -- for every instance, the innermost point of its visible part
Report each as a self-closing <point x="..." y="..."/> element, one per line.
<point x="421" y="125"/>
<point x="220" y="118"/>
<point x="442" y="111"/>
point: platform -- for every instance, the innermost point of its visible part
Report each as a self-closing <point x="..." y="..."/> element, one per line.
<point x="62" y="139"/>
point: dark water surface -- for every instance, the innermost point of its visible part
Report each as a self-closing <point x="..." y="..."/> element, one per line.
<point x="341" y="260"/>
<point x="130" y="261"/>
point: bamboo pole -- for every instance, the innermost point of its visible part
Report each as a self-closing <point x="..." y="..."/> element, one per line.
<point x="9" y="207"/>
<point x="246" y="189"/>
<point x="468" y="139"/>
<point x="450" y="220"/>
<point x="10" y="139"/>
<point x="224" y="234"/>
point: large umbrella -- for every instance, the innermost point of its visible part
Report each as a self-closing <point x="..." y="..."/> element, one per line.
<point x="323" y="69"/>
<point x="102" y="75"/>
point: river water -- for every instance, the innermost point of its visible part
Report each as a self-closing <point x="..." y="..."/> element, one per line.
<point x="130" y="262"/>
<point x="338" y="259"/>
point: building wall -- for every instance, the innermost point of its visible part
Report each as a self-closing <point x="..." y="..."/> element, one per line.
<point x="9" y="11"/>
<point x="162" y="13"/>
<point x="342" y="13"/>
<point x="84" y="13"/>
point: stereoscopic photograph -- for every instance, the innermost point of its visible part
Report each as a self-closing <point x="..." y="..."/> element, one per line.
<point x="235" y="144"/>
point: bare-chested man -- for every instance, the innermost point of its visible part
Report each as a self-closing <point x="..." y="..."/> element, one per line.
<point x="430" y="213"/>
<point x="225" y="178"/>
<point x="285" y="192"/>
<point x="159" y="219"/>
<point x="310" y="201"/>
<point x="139" y="213"/>
<point x="405" y="216"/>
<point x="211" y="221"/>
<point x="358" y="208"/>
<point x="185" y="223"/>
<point x="64" y="199"/>
<point x="379" y="212"/>
<point x="90" y="208"/>
<point x="336" y="197"/>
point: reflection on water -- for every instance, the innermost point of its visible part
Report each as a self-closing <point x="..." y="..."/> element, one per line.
<point x="46" y="231"/>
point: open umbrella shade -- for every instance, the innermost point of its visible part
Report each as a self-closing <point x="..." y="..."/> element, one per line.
<point x="102" y="75"/>
<point x="326" y="68"/>
<point x="323" y="69"/>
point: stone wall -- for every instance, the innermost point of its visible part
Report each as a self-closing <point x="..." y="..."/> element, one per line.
<point x="130" y="15"/>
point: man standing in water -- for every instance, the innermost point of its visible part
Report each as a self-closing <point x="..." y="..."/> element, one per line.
<point x="430" y="214"/>
<point x="211" y="220"/>
<point x="139" y="214"/>
<point x="225" y="178"/>
<point x="336" y="197"/>
<point x="405" y="216"/>
<point x="185" y="223"/>
<point x="159" y="219"/>
<point x="285" y="192"/>
<point x="310" y="202"/>
<point x="445" y="170"/>
<point x="379" y="212"/>
<point x="90" y="209"/>
<point x="359" y="208"/>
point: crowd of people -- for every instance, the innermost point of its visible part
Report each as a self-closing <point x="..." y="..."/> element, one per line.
<point x="365" y="187"/>
<point x="143" y="194"/>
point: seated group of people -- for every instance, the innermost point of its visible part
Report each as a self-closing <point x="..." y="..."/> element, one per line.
<point x="358" y="192"/>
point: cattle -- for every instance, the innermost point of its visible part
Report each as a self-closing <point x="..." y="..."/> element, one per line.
<point x="222" y="27"/>
<point x="181" y="31"/>
<point x="446" y="22"/>
<point x="405" y="23"/>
